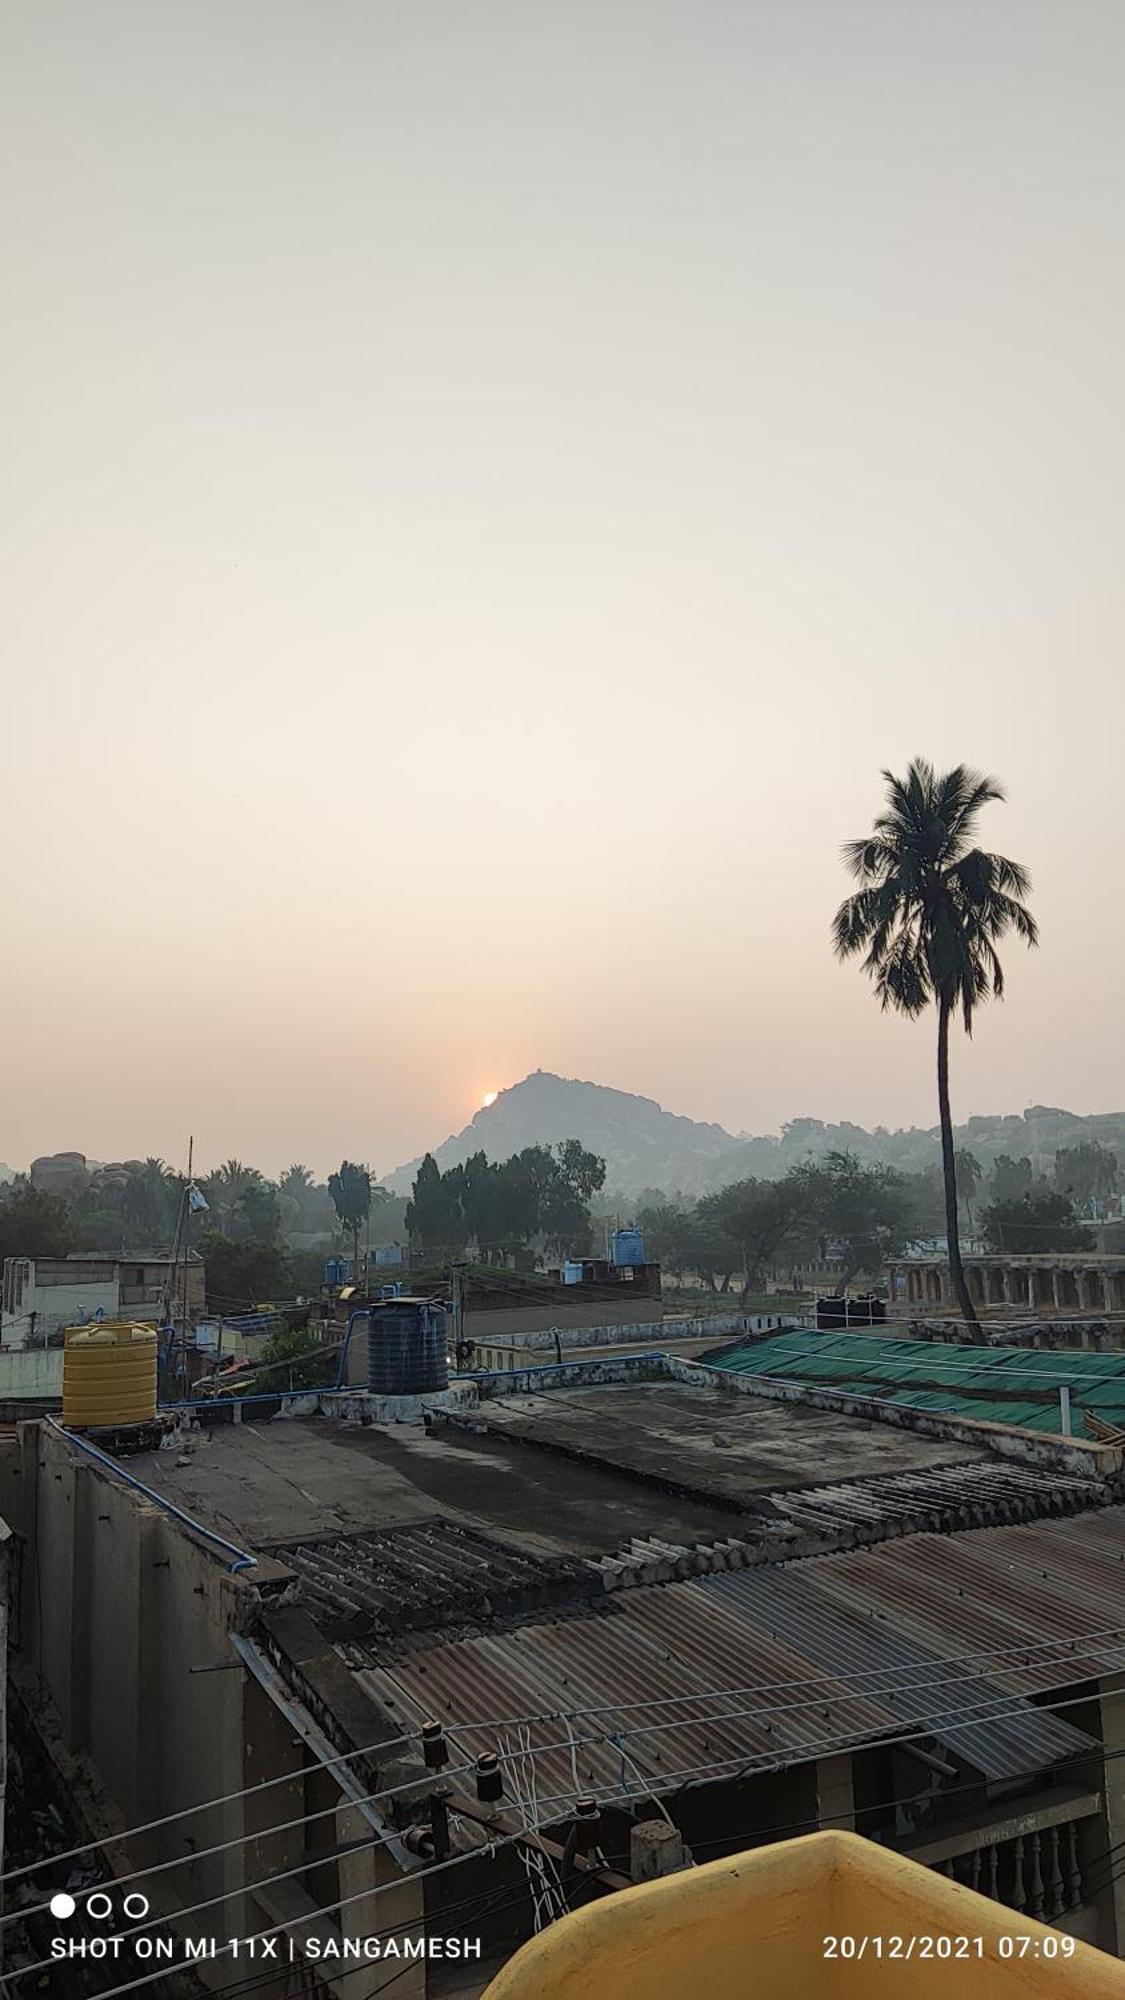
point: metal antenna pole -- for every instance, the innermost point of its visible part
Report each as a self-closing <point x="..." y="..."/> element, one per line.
<point x="187" y="1240"/>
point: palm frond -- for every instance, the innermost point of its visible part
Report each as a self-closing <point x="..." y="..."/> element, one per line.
<point x="958" y="799"/>
<point x="902" y="981"/>
<point x="931" y="909"/>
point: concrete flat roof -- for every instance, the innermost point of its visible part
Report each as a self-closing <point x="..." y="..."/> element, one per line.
<point x="287" y="1480"/>
<point x="732" y="1447"/>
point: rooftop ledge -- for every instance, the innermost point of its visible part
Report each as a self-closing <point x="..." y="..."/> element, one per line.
<point x="763" y="1922"/>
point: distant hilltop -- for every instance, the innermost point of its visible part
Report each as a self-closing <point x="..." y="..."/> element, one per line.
<point x="645" y="1146"/>
<point x="641" y="1144"/>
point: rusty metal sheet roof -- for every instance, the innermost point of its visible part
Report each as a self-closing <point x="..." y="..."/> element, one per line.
<point x="829" y="1651"/>
<point x="965" y="1705"/>
<point x="651" y="1645"/>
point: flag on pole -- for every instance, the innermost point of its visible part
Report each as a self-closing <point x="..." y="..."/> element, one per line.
<point x="197" y="1201"/>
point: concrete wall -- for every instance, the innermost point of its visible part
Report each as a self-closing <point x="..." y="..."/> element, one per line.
<point x="121" y="1616"/>
<point x="48" y="1308"/>
<point x="511" y="1350"/>
<point x="503" y="1323"/>
<point x="34" y="1373"/>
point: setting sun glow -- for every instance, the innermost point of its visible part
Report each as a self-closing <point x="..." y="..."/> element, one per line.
<point x="489" y="1097"/>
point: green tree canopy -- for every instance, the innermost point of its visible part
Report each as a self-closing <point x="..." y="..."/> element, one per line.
<point x="242" y="1275"/>
<point x="350" y="1188"/>
<point x="759" y="1216"/>
<point x="1088" y="1172"/>
<point x="1040" y="1221"/>
<point x="434" y="1217"/>
<point x="1010" y="1179"/>
<point x="866" y="1210"/>
<point x="34" y="1223"/>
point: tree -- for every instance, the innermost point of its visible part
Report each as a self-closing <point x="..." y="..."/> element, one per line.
<point x="434" y="1218"/>
<point x="1010" y="1179"/>
<point x="1087" y="1172"/>
<point x="927" y="1202"/>
<point x="34" y="1223"/>
<point x="866" y="1210"/>
<point x="224" y="1189"/>
<point x="294" y="1359"/>
<point x="260" y="1207"/>
<point x="567" y="1179"/>
<point x="968" y="1174"/>
<point x="487" y="1207"/>
<point x="242" y="1275"/>
<point x="929" y="914"/>
<point x="664" y="1226"/>
<point x="701" y="1244"/>
<point x="350" y="1189"/>
<point x="758" y="1216"/>
<point x="1039" y="1222"/>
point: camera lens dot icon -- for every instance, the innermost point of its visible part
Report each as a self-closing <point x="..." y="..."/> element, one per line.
<point x="62" y="1905"/>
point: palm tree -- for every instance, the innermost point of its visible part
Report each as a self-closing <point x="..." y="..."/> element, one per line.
<point x="929" y="914"/>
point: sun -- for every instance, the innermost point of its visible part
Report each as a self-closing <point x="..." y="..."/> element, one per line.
<point x="489" y="1097"/>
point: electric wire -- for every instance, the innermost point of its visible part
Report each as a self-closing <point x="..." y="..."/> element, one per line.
<point x="674" y="1785"/>
<point x="829" y="1681"/>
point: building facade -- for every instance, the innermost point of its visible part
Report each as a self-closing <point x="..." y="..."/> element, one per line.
<point x="1064" y="1282"/>
<point x="40" y="1296"/>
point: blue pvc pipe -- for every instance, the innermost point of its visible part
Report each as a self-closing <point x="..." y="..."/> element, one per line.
<point x="242" y="1559"/>
<point x="224" y="1402"/>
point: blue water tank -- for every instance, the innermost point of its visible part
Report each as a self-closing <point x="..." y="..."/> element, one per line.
<point x="628" y="1248"/>
<point x="572" y="1273"/>
<point x="406" y="1348"/>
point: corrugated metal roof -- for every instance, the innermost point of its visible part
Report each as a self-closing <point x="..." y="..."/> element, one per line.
<point x="892" y="1620"/>
<point x="999" y="1385"/>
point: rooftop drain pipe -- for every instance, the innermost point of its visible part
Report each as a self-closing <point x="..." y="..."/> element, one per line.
<point x="241" y="1559"/>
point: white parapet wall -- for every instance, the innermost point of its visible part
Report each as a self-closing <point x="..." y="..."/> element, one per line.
<point x="497" y="1351"/>
<point x="30" y="1374"/>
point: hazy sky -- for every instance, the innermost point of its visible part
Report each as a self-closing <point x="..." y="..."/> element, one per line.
<point x="487" y="487"/>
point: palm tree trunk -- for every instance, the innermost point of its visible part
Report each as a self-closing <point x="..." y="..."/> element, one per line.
<point x="949" y="1175"/>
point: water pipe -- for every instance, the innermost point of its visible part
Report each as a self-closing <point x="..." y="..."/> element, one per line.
<point x="241" y="1559"/>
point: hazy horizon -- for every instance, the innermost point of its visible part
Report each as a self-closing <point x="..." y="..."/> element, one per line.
<point x="488" y="490"/>
<point x="204" y="1163"/>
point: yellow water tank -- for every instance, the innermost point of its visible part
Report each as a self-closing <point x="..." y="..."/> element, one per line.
<point x="109" y="1375"/>
<point x="829" y="1917"/>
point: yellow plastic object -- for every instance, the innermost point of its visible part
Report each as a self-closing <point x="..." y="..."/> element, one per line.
<point x="756" y="1927"/>
<point x="109" y="1374"/>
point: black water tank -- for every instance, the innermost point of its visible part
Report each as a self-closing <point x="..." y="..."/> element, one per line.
<point x="831" y="1313"/>
<point x="406" y="1348"/>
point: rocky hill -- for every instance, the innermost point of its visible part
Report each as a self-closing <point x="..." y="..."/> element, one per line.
<point x="645" y="1146"/>
<point x="642" y="1145"/>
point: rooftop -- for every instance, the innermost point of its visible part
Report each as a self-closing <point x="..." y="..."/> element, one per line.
<point x="595" y="1546"/>
<point x="995" y="1385"/>
<point x="591" y="1470"/>
<point x="273" y="1483"/>
<point x="949" y="1637"/>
